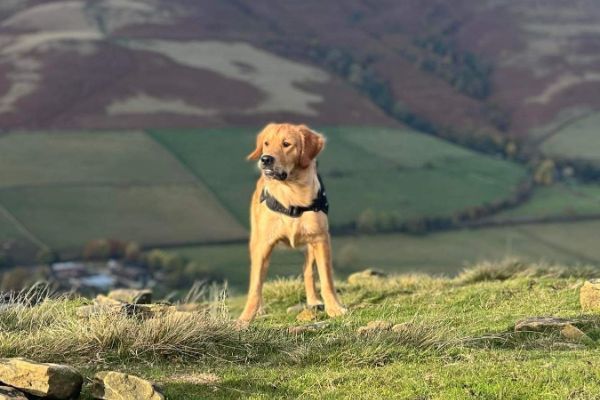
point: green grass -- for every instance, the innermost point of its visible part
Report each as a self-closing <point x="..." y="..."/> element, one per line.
<point x="51" y="159"/>
<point x="457" y="341"/>
<point x="68" y="188"/>
<point x="399" y="172"/>
<point x="557" y="200"/>
<point x="438" y="253"/>
<point x="67" y="217"/>
<point x="8" y="230"/>
<point x="579" y="140"/>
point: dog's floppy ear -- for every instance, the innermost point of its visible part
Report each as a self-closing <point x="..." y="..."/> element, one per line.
<point x="255" y="155"/>
<point x="312" y="144"/>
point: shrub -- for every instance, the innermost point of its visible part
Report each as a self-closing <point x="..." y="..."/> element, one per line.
<point x="21" y="277"/>
<point x="133" y="252"/>
<point x="156" y="259"/>
<point x="367" y="221"/>
<point x="98" y="249"/>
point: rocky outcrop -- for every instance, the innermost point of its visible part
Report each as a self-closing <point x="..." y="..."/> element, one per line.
<point x="135" y="303"/>
<point x="564" y="327"/>
<point x="41" y="379"/>
<point x="110" y="385"/>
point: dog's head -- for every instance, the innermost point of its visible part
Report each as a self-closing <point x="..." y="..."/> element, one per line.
<point x="284" y="150"/>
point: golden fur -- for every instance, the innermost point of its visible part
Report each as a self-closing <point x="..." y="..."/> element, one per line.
<point x="294" y="148"/>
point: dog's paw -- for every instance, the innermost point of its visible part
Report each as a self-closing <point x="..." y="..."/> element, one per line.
<point x="241" y="325"/>
<point x="336" y="311"/>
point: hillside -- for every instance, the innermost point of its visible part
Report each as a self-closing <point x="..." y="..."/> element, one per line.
<point x="167" y="187"/>
<point x="495" y="68"/>
<point x="452" y="338"/>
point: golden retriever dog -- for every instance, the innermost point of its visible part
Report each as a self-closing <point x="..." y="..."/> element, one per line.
<point x="290" y="206"/>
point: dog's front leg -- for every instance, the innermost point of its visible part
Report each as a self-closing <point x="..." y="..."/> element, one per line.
<point x="259" y="263"/>
<point x="322" y="251"/>
<point x="312" y="298"/>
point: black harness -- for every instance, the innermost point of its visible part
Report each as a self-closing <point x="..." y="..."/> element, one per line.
<point x="320" y="203"/>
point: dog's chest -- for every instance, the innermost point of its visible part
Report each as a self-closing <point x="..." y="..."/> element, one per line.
<point x="304" y="230"/>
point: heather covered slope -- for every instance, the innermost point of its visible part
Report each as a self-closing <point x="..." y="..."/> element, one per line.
<point x="463" y="68"/>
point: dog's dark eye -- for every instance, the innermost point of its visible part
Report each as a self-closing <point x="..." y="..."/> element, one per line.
<point x="266" y="143"/>
<point x="286" y="144"/>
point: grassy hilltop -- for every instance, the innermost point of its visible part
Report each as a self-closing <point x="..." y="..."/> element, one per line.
<point x="457" y="341"/>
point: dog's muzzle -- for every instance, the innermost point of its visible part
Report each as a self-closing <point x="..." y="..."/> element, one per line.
<point x="267" y="165"/>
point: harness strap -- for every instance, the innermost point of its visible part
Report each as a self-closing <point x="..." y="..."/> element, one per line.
<point x="320" y="203"/>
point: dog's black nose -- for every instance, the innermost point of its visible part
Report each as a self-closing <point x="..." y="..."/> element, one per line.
<point x="267" y="160"/>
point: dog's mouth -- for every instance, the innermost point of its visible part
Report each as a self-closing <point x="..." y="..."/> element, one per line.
<point x="274" y="174"/>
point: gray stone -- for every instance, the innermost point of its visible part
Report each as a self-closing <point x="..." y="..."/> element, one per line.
<point x="41" y="379"/>
<point x="541" y="324"/>
<point x="110" y="385"/>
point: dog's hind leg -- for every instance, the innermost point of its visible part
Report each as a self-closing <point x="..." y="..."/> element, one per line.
<point x="312" y="298"/>
<point x="259" y="263"/>
<point x="322" y="251"/>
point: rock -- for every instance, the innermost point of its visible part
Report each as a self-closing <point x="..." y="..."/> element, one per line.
<point x="589" y="295"/>
<point x="131" y="296"/>
<point x="9" y="393"/>
<point x="367" y="274"/>
<point x="541" y="324"/>
<point x="110" y="385"/>
<point x="375" y="327"/>
<point x="107" y="301"/>
<point x="307" y="315"/>
<point x="565" y="327"/>
<point x="571" y="332"/>
<point x="297" y="330"/>
<point x="299" y="307"/>
<point x="40" y="379"/>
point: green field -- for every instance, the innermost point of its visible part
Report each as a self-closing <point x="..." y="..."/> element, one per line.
<point x="439" y="253"/>
<point x="578" y="140"/>
<point x="559" y="199"/>
<point x="68" y="188"/>
<point x="67" y="217"/>
<point x="398" y="172"/>
<point x="51" y="159"/>
<point x="193" y="186"/>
